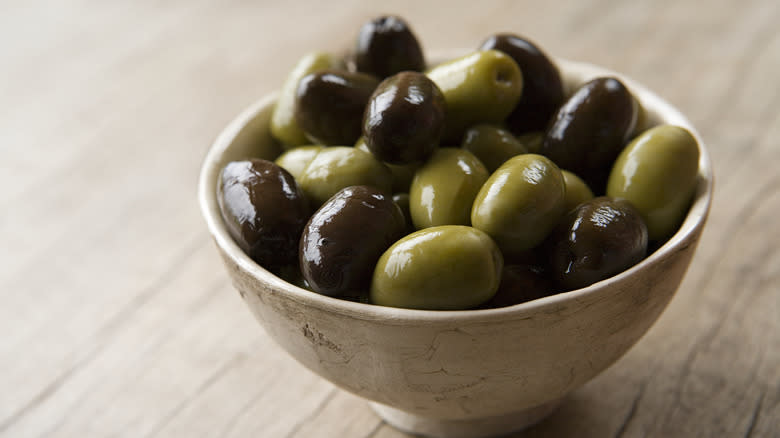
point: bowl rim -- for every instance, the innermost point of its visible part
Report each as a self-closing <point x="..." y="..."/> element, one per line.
<point x="685" y="235"/>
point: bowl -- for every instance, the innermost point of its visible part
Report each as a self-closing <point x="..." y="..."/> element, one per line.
<point x="470" y="373"/>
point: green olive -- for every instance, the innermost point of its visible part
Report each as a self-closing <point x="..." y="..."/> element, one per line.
<point x="295" y="160"/>
<point x="542" y="89"/>
<point x="657" y="172"/>
<point x="520" y="203"/>
<point x="337" y="167"/>
<point x="402" y="173"/>
<point x="532" y="141"/>
<point x="577" y="191"/>
<point x="492" y="145"/>
<point x="283" y="125"/>
<point x="482" y="87"/>
<point x="450" y="267"/>
<point x="443" y="189"/>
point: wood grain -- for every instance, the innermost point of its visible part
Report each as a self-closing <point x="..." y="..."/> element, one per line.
<point x="117" y="319"/>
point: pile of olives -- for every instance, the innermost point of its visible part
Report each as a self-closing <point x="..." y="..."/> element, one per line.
<point x="475" y="183"/>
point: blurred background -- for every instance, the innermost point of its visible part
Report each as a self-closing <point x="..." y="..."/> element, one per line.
<point x="116" y="316"/>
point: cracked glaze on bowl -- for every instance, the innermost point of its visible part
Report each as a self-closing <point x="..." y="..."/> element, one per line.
<point x="458" y="365"/>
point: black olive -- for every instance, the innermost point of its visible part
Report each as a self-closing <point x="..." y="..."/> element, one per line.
<point x="520" y="283"/>
<point x="386" y="46"/>
<point x="591" y="128"/>
<point x="404" y="119"/>
<point x="598" y="239"/>
<point x="264" y="210"/>
<point x="329" y="105"/>
<point x="343" y="240"/>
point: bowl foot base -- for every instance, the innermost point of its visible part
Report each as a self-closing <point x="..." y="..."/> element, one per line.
<point x="472" y="428"/>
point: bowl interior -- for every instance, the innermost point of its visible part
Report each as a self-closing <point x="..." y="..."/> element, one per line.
<point x="248" y="136"/>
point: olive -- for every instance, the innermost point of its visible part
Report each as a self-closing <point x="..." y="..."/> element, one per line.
<point x="449" y="267"/>
<point x="598" y="239"/>
<point x="443" y="189"/>
<point x="492" y="145"/>
<point x="402" y="173"/>
<point x="532" y="141"/>
<point x="520" y="283"/>
<point x="481" y="87"/>
<point x="542" y="86"/>
<point x="577" y="191"/>
<point x="263" y="209"/>
<point x="404" y="118"/>
<point x="657" y="173"/>
<point x="520" y="203"/>
<point x="283" y="124"/>
<point x="337" y="167"/>
<point x="386" y="46"/>
<point x="402" y="200"/>
<point x="292" y="274"/>
<point x="295" y="160"/>
<point x="590" y="129"/>
<point x="344" y="239"/>
<point x="329" y="105"/>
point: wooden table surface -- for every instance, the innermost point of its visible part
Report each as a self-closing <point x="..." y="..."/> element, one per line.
<point x="117" y="318"/>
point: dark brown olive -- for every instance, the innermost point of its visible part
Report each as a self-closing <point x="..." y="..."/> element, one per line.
<point x="386" y="46"/>
<point x="343" y="240"/>
<point x="404" y="119"/>
<point x="402" y="200"/>
<point x="264" y="210"/>
<point x="520" y="283"/>
<point x="542" y="87"/>
<point x="329" y="105"/>
<point x="591" y="128"/>
<point x="598" y="239"/>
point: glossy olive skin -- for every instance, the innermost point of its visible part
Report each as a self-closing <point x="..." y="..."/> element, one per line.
<point x="657" y="173"/>
<point x="402" y="173"/>
<point x="404" y="119"/>
<point x="444" y="188"/>
<point x="450" y="267"/>
<point x="600" y="238"/>
<point x="577" y="191"/>
<point x="481" y="87"/>
<point x="344" y="239"/>
<point x="386" y="46"/>
<point x="337" y="167"/>
<point x="520" y="203"/>
<point x="542" y="86"/>
<point x="329" y="105"/>
<point x="292" y="274"/>
<point x="263" y="209"/>
<point x="520" y="283"/>
<point x="591" y="128"/>
<point x="284" y="127"/>
<point x="296" y="159"/>
<point x="402" y="201"/>
<point x="492" y="145"/>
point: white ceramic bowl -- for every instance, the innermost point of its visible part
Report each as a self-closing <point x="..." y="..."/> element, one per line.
<point x="459" y="373"/>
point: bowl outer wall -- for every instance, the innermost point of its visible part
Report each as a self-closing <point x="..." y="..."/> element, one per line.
<point x="459" y="364"/>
